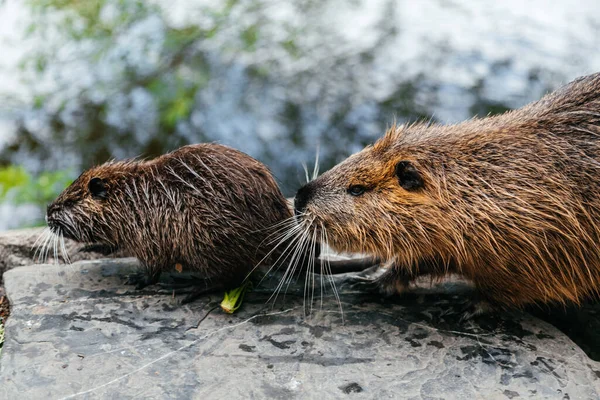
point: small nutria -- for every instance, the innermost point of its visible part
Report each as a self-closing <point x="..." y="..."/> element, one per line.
<point x="510" y="202"/>
<point x="204" y="208"/>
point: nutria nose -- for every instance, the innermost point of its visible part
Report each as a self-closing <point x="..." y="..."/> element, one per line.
<point x="50" y="217"/>
<point x="50" y="209"/>
<point x="302" y="198"/>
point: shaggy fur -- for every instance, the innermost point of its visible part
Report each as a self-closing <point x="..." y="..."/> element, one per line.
<point x="206" y="207"/>
<point x="511" y="202"/>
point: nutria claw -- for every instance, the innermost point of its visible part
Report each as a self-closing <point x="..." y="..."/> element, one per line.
<point x="373" y="280"/>
<point x="364" y="285"/>
<point x="199" y="292"/>
<point x="104" y="249"/>
<point x="474" y="308"/>
<point x="140" y="280"/>
<point x="187" y="282"/>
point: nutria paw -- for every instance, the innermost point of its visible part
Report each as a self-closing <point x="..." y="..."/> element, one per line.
<point x="141" y="279"/>
<point x="100" y="248"/>
<point x="191" y="285"/>
<point x="475" y="308"/>
<point x="181" y="281"/>
<point x="391" y="282"/>
<point x="201" y="291"/>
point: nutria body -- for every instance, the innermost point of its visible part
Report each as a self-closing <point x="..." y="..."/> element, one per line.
<point x="204" y="208"/>
<point x="511" y="202"/>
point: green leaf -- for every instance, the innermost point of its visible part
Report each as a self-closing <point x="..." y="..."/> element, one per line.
<point x="233" y="299"/>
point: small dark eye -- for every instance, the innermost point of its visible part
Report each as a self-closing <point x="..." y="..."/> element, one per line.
<point x="98" y="188"/>
<point x="356" y="190"/>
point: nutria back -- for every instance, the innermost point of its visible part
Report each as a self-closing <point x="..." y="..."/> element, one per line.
<point x="511" y="202"/>
<point x="205" y="208"/>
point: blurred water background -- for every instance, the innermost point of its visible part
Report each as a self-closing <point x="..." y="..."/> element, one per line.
<point x="85" y="81"/>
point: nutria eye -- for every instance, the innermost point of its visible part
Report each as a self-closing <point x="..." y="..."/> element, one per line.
<point x="356" y="190"/>
<point x="98" y="188"/>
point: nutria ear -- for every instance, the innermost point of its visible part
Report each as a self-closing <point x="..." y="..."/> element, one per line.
<point x="98" y="188"/>
<point x="408" y="176"/>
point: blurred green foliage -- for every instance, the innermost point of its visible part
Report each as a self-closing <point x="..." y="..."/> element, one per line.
<point x="20" y="187"/>
<point x="129" y="78"/>
<point x="93" y="30"/>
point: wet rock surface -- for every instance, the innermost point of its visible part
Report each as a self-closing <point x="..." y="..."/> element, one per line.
<point x="78" y="331"/>
<point x="23" y="247"/>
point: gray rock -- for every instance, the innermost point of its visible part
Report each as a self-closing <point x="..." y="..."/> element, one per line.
<point x="78" y="331"/>
<point x="17" y="249"/>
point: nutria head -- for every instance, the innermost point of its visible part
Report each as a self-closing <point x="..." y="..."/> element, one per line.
<point x="378" y="201"/>
<point x="88" y="210"/>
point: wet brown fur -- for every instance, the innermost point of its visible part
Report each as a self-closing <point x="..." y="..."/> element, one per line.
<point x="511" y="202"/>
<point x="207" y="207"/>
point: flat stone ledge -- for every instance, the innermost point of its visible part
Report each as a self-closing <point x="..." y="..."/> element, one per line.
<point x="76" y="331"/>
<point x="17" y="249"/>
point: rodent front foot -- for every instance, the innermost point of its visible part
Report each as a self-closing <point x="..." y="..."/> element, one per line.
<point x="475" y="308"/>
<point x="104" y="249"/>
<point x="199" y="292"/>
<point x="191" y="285"/>
<point x="387" y="283"/>
<point x="140" y="280"/>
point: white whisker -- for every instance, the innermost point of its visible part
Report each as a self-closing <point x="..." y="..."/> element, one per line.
<point x="55" y="249"/>
<point x="305" y="172"/>
<point x="38" y="243"/>
<point x="316" y="168"/>
<point x="65" y="253"/>
<point x="330" y="274"/>
<point x="44" y="249"/>
<point x="294" y="244"/>
<point x="293" y="232"/>
<point x="297" y="244"/>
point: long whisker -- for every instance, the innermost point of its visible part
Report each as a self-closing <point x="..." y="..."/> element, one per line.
<point x="304" y="253"/>
<point x="55" y="248"/>
<point x="313" y="267"/>
<point x="278" y="233"/>
<point x="44" y="249"/>
<point x="49" y="247"/>
<point x="293" y="262"/>
<point x="299" y="251"/>
<point x="286" y="221"/>
<point x="322" y="280"/>
<point x="330" y="275"/>
<point x="39" y="238"/>
<point x="282" y="232"/>
<point x="291" y="233"/>
<point x="65" y="253"/>
<point x="316" y="168"/>
<point x="305" y="172"/>
<point x="37" y="245"/>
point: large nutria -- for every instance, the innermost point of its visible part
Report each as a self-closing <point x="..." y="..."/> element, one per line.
<point x="510" y="202"/>
<point x="206" y="208"/>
